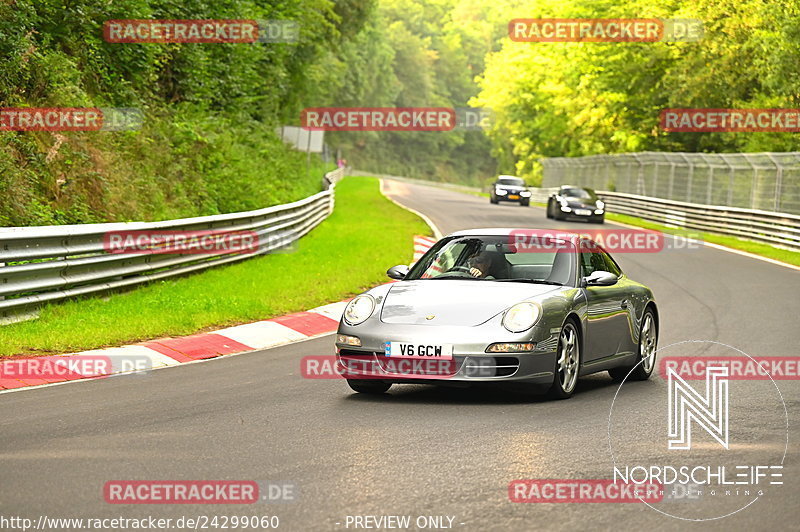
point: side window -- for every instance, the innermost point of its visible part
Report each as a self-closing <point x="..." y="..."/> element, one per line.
<point x="444" y="260"/>
<point x="592" y="261"/>
<point x="586" y="263"/>
<point x="611" y="266"/>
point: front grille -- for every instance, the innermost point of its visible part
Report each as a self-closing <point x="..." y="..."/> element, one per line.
<point x="473" y="366"/>
<point x="490" y="366"/>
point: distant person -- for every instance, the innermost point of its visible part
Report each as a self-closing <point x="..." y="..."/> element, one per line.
<point x="340" y="163"/>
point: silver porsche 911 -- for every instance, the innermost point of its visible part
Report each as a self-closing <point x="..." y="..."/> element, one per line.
<point x="510" y="306"/>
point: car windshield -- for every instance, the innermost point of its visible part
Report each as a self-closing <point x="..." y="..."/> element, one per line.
<point x="515" y="181"/>
<point x="578" y="193"/>
<point x="498" y="258"/>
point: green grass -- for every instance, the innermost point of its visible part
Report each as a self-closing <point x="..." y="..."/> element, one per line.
<point x="347" y="253"/>
<point x="757" y="248"/>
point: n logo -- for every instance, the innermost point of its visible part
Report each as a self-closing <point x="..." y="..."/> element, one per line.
<point x="709" y="411"/>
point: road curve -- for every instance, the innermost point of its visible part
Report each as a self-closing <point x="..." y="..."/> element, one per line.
<point x="416" y="451"/>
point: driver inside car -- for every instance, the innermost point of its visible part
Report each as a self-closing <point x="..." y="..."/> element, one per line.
<point x="480" y="265"/>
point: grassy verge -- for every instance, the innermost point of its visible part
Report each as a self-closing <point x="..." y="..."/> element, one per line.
<point x="347" y="253"/>
<point x="757" y="248"/>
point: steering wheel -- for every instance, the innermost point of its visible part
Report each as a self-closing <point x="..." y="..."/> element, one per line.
<point x="462" y="271"/>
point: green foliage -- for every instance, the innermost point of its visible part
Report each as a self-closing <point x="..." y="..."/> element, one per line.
<point x="208" y="143"/>
<point x="422" y="54"/>
<point x="572" y="99"/>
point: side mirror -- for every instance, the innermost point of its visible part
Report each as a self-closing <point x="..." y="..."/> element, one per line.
<point x="600" y="278"/>
<point x="398" y="272"/>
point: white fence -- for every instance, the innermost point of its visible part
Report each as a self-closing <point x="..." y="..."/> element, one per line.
<point x="762" y="181"/>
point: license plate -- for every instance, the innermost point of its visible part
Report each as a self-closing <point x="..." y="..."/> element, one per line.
<point x="419" y="351"/>
<point x="583" y="212"/>
<point x="513" y="196"/>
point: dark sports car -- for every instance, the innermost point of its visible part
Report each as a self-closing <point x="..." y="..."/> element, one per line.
<point x="576" y="202"/>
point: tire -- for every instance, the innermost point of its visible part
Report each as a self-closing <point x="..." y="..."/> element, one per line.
<point x="648" y="341"/>
<point x="374" y="387"/>
<point x="525" y="203"/>
<point x="568" y="362"/>
<point x="492" y="200"/>
<point x="549" y="208"/>
<point x="599" y="219"/>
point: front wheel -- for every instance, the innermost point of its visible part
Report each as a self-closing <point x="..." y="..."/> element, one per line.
<point x="369" y="386"/>
<point x="568" y="362"/>
<point x="648" y="340"/>
<point x="525" y="203"/>
<point x="549" y="209"/>
<point x="492" y="200"/>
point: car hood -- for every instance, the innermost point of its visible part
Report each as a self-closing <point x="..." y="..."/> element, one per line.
<point x="452" y="301"/>
<point x="581" y="202"/>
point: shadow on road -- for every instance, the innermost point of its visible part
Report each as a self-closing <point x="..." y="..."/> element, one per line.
<point x="590" y="388"/>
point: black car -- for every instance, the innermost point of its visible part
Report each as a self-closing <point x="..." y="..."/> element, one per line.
<point x="510" y="188"/>
<point x="576" y="202"/>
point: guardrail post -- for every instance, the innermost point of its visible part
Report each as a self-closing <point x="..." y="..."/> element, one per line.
<point x="671" y="179"/>
<point x="640" y="188"/>
<point x="655" y="178"/>
<point x="778" y="181"/>
<point x="753" y="182"/>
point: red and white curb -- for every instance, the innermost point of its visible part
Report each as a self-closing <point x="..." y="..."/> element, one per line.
<point x="21" y="373"/>
<point x="421" y="245"/>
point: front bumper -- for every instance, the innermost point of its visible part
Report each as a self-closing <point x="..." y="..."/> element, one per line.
<point x="584" y="213"/>
<point x="518" y="199"/>
<point x="470" y="364"/>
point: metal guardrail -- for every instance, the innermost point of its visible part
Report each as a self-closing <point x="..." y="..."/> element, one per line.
<point x="49" y="263"/>
<point x="774" y="228"/>
<point x="764" y="181"/>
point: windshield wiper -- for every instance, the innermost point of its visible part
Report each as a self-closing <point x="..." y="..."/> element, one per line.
<point x="534" y="281"/>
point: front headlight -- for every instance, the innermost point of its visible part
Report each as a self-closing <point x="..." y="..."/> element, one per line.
<point x="521" y="317"/>
<point x="525" y="194"/>
<point x="500" y="192"/>
<point x="359" y="309"/>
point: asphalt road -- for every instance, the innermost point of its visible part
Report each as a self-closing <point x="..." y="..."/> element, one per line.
<point x="419" y="450"/>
